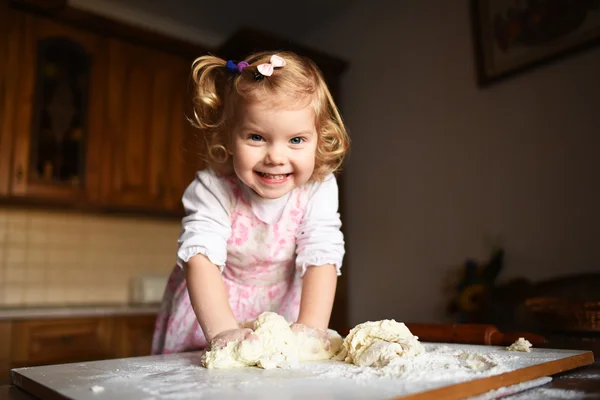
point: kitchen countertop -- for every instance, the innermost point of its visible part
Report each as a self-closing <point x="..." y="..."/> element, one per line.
<point x="71" y="311"/>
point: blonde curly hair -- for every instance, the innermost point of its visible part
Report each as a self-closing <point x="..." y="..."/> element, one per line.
<point x="217" y="92"/>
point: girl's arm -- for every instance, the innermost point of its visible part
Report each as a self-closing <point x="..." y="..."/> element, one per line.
<point x="320" y="250"/>
<point x="208" y="297"/>
<point x="318" y="292"/>
<point x="203" y="250"/>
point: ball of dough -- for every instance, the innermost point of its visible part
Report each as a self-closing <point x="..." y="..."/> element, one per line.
<point x="379" y="343"/>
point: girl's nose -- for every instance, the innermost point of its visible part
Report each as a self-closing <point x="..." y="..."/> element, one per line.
<point x="275" y="156"/>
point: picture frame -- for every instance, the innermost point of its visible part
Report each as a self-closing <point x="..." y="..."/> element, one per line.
<point x="513" y="36"/>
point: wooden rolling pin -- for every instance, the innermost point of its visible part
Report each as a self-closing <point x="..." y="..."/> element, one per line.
<point x="470" y="334"/>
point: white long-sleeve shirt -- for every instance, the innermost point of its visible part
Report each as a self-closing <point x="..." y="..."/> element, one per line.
<point x="206" y="228"/>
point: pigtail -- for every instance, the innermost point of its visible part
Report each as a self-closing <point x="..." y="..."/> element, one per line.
<point x="211" y="83"/>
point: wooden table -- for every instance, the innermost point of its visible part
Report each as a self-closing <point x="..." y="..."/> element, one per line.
<point x="585" y="379"/>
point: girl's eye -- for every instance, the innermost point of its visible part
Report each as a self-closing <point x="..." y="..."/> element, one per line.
<point x="296" y="140"/>
<point x="255" y="138"/>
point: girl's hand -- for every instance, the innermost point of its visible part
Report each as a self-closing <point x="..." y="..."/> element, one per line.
<point x="233" y="335"/>
<point x="320" y="337"/>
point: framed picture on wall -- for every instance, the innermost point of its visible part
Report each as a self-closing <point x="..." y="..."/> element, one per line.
<point x="515" y="35"/>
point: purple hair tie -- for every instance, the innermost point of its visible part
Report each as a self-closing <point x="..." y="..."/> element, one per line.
<point x="241" y="66"/>
<point x="233" y="67"/>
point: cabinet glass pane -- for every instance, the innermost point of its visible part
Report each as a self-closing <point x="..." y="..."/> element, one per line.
<point x="60" y="110"/>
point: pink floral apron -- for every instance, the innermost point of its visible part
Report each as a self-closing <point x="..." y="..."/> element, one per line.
<point x="260" y="275"/>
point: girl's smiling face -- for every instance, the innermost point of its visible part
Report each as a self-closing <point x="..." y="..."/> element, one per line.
<point x="274" y="148"/>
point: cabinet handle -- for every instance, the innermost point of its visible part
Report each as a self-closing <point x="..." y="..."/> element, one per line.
<point x="19" y="174"/>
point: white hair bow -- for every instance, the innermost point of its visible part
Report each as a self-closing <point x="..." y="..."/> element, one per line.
<point x="267" y="68"/>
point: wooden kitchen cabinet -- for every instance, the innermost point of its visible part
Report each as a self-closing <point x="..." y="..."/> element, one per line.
<point x="184" y="144"/>
<point x="40" y="342"/>
<point x="134" y="335"/>
<point x="53" y="109"/>
<point x="92" y="121"/>
<point x="146" y="129"/>
<point x="26" y="343"/>
<point x="5" y="345"/>
<point x="139" y="94"/>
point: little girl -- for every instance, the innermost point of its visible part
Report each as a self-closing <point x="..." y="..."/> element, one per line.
<point x="262" y="229"/>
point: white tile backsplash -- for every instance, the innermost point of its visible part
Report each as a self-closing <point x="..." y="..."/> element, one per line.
<point x="59" y="258"/>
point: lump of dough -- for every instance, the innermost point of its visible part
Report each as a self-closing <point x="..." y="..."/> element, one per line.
<point x="311" y="348"/>
<point x="274" y="345"/>
<point x="521" y="344"/>
<point x="377" y="344"/>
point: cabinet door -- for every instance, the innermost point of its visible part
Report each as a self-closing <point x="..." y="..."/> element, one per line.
<point x="134" y="335"/>
<point x="40" y="342"/>
<point x="139" y="103"/>
<point x="184" y="144"/>
<point x="57" y="115"/>
<point x="5" y="336"/>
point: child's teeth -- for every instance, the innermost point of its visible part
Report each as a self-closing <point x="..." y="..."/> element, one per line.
<point x="275" y="177"/>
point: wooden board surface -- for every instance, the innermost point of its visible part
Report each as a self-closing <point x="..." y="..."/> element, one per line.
<point x="446" y="371"/>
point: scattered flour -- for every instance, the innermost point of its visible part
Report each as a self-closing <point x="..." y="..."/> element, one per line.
<point x="582" y="375"/>
<point x="476" y="362"/>
<point x="551" y="394"/>
<point x="438" y="366"/>
<point x="184" y="377"/>
<point x="97" y="389"/>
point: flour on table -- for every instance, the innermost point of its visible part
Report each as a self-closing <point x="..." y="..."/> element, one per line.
<point x="552" y="394"/>
<point x="521" y="344"/>
<point x="181" y="376"/>
<point x="476" y="362"/>
<point x="513" y="389"/>
<point x="274" y="345"/>
<point x="97" y="389"/>
<point x="583" y="375"/>
<point x="378" y="344"/>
